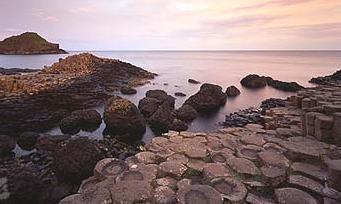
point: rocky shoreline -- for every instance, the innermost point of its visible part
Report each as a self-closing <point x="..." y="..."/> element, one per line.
<point x="170" y="168"/>
<point x="294" y="157"/>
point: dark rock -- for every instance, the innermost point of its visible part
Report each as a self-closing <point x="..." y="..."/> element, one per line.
<point x="243" y="117"/>
<point x="232" y="91"/>
<point x="178" y="125"/>
<point x="148" y="106"/>
<point x="180" y="94"/>
<point x="122" y="116"/>
<point x="127" y="90"/>
<point x="186" y="113"/>
<point x="209" y="97"/>
<point x="253" y="81"/>
<point x="162" y="119"/>
<point x="7" y="144"/>
<point x="193" y="81"/>
<point x="13" y="71"/>
<point x="28" y="140"/>
<point x="19" y="184"/>
<point x="272" y="103"/>
<point x="27" y="44"/>
<point x="284" y="86"/>
<point x="327" y="79"/>
<point x="81" y="120"/>
<point x="162" y="96"/>
<point x="50" y="142"/>
<point x="76" y="159"/>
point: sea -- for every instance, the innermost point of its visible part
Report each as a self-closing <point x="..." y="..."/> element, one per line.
<point x="224" y="68"/>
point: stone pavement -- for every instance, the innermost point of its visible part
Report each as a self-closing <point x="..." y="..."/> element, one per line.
<point x="280" y="162"/>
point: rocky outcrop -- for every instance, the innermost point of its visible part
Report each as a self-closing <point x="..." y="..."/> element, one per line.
<point x="253" y="81"/>
<point x="284" y="86"/>
<point x="123" y="117"/>
<point x="28" y="43"/>
<point x="325" y="80"/>
<point x="127" y="90"/>
<point x="13" y="71"/>
<point x="232" y="91"/>
<point x="38" y="101"/>
<point x="208" y="98"/>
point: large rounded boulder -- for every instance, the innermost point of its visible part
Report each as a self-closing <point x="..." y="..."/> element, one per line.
<point x="7" y="144"/>
<point x="76" y="159"/>
<point x="209" y="97"/>
<point x="253" y="81"/>
<point x="148" y="106"/>
<point x="122" y="117"/>
<point x="87" y="120"/>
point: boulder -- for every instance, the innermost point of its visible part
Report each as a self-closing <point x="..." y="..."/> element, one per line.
<point x="87" y="120"/>
<point x="193" y="81"/>
<point x="127" y="90"/>
<point x="122" y="116"/>
<point x="7" y="144"/>
<point x="28" y="140"/>
<point x="232" y="91"/>
<point x="162" y="119"/>
<point x="148" y="106"/>
<point x="75" y="160"/>
<point x="47" y="142"/>
<point x="253" y="81"/>
<point x="209" y="97"/>
<point x="186" y="113"/>
<point x="162" y="96"/>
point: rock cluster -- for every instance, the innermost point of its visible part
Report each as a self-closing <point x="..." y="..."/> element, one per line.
<point x="331" y="79"/>
<point x="28" y="43"/>
<point x="38" y="101"/>
<point x="243" y="117"/>
<point x="13" y="71"/>
<point x="255" y="81"/>
<point x="274" y="163"/>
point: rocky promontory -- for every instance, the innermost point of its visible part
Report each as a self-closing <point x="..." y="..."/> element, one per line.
<point x="38" y="101"/>
<point x="28" y="43"/>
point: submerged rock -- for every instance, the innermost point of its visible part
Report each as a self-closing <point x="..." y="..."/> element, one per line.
<point x="127" y="90"/>
<point x="209" y="97"/>
<point x="193" y="81"/>
<point x="122" y="116"/>
<point x="253" y="81"/>
<point x="232" y="91"/>
<point x="180" y="94"/>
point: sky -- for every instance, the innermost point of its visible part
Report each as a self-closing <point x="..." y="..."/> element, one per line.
<point x="177" y="24"/>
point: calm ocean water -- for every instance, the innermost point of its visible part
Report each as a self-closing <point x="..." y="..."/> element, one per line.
<point x="222" y="68"/>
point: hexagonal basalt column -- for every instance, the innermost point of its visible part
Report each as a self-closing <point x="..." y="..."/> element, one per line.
<point x="199" y="194"/>
<point x="109" y="168"/>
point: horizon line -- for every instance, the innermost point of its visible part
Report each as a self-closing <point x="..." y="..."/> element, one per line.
<point x="174" y="50"/>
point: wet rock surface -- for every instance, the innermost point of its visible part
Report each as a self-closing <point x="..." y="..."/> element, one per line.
<point x="232" y="91"/>
<point x="13" y="71"/>
<point x="253" y="81"/>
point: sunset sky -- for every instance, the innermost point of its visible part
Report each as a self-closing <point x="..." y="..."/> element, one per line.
<point x="177" y="24"/>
